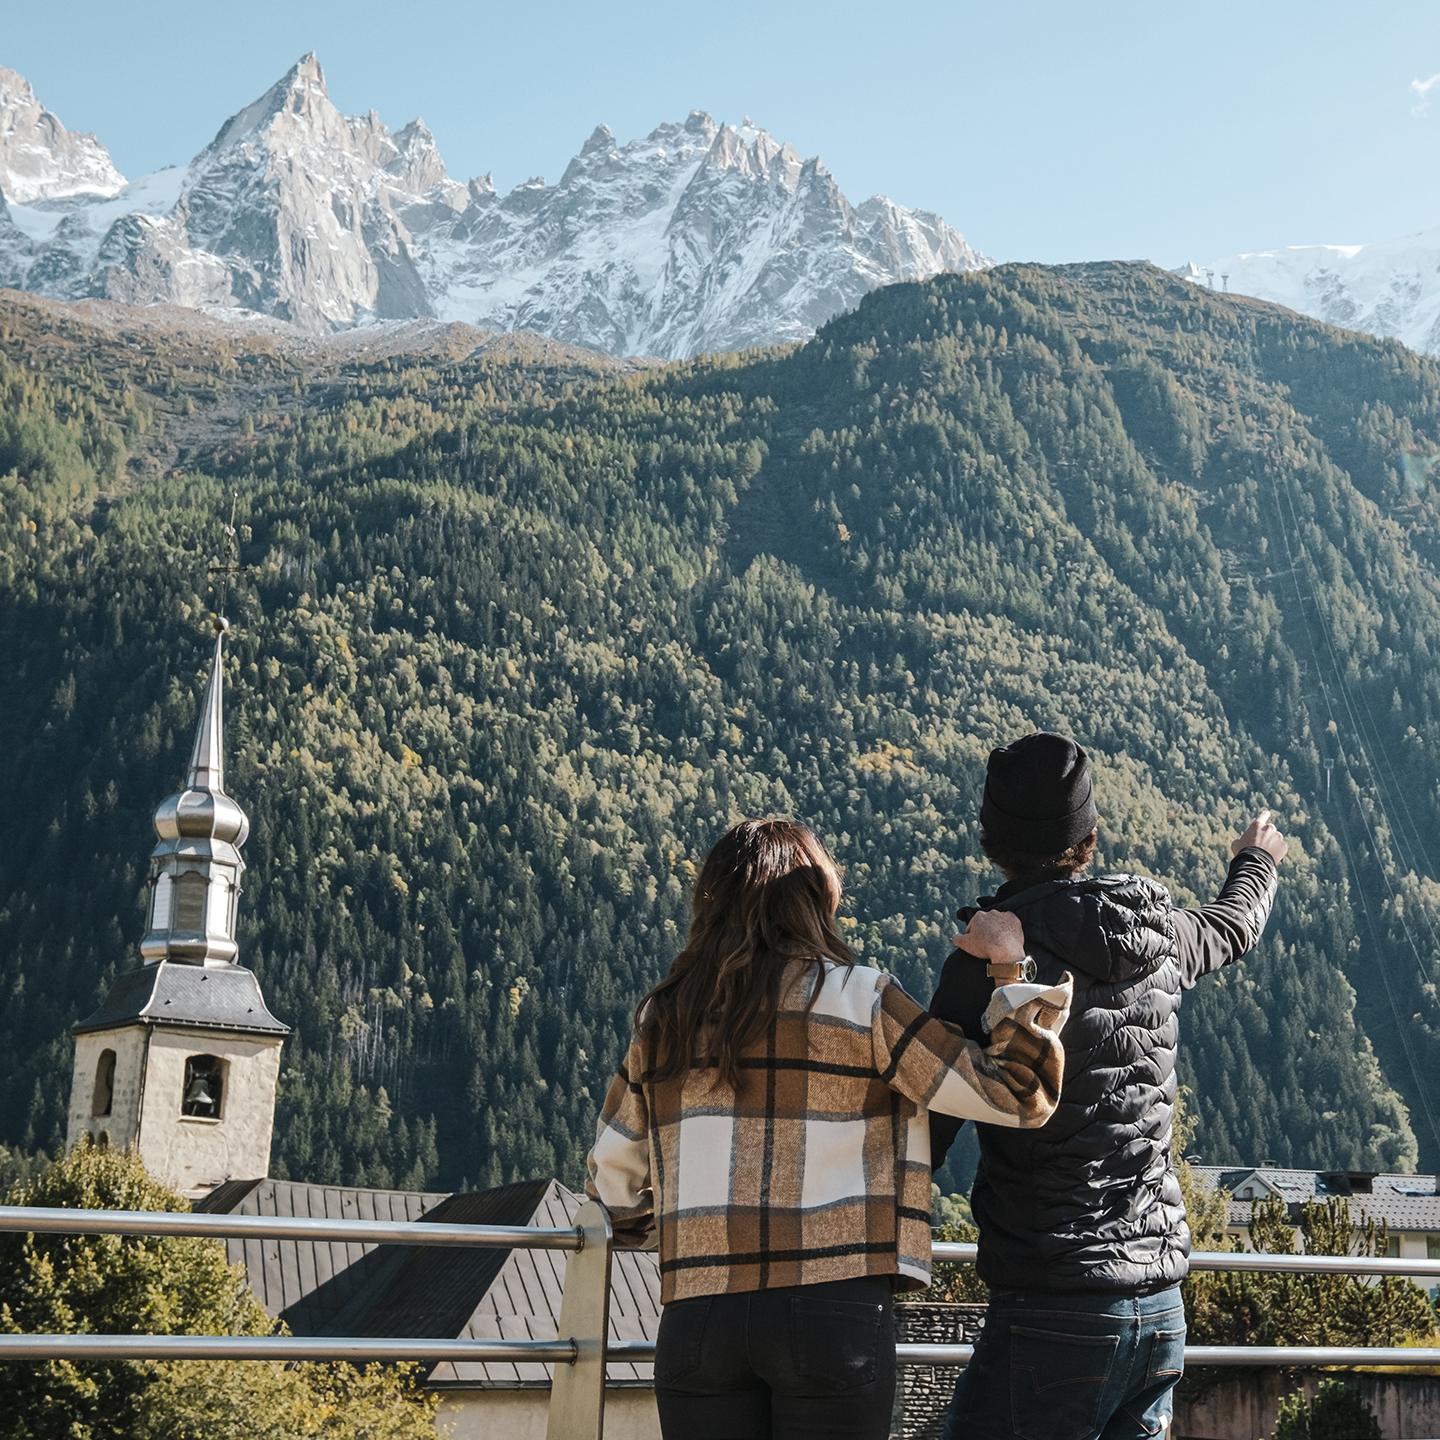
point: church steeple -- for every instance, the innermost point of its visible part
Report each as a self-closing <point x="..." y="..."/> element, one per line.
<point x="195" y="867"/>
<point x="207" y="754"/>
<point x="182" y="1057"/>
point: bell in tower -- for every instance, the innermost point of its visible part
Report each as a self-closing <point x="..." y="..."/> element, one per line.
<point x="181" y="1059"/>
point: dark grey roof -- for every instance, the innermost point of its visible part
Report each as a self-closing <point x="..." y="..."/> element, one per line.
<point x="417" y="1290"/>
<point x="218" y="997"/>
<point x="1399" y="1202"/>
<point x="421" y="1291"/>
<point x="307" y="1283"/>
<point x="524" y="1302"/>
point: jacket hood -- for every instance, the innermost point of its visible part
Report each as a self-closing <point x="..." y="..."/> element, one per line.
<point x="1115" y="928"/>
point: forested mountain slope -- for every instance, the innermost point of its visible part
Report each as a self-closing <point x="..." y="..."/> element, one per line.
<point x="516" y="640"/>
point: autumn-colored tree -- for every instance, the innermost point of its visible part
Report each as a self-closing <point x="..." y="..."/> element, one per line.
<point x="110" y="1284"/>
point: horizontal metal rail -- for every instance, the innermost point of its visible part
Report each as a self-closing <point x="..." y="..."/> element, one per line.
<point x="955" y="1252"/>
<point x="562" y="1352"/>
<point x="282" y="1347"/>
<point x="533" y="1237"/>
<point x="37" y="1219"/>
<point x="641" y="1352"/>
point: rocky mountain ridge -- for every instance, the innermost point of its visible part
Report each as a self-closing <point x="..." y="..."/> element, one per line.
<point x="39" y="158"/>
<point x="699" y="236"/>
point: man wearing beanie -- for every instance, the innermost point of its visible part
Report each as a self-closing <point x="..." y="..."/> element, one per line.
<point x="1083" y="1240"/>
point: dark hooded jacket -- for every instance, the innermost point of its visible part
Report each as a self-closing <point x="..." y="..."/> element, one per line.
<point x="1090" y="1201"/>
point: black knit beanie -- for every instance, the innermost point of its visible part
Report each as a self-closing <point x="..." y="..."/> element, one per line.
<point x="1039" y="799"/>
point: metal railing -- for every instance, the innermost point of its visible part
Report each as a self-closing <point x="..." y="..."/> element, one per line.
<point x="577" y="1391"/>
<point x="580" y="1354"/>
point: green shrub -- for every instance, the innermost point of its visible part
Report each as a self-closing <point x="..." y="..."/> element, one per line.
<point x="1336" y="1413"/>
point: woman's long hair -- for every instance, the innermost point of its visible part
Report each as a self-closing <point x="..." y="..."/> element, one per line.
<point x="766" y="896"/>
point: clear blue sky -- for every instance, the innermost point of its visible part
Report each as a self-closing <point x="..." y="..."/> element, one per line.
<point x="1051" y="130"/>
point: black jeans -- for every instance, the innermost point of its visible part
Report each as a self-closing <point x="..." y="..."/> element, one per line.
<point x="806" y="1360"/>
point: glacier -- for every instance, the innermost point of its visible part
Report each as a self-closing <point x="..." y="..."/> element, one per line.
<point x="1389" y="288"/>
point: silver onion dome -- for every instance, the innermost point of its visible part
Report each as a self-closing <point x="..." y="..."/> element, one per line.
<point x="196" y="865"/>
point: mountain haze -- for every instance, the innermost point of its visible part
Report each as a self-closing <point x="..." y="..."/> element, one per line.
<point x="1388" y="288"/>
<point x="700" y="236"/>
<point x="517" y="636"/>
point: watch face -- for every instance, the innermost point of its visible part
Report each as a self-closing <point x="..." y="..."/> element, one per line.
<point x="1027" y="969"/>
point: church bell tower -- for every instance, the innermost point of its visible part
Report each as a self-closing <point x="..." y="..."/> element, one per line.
<point x="180" y="1061"/>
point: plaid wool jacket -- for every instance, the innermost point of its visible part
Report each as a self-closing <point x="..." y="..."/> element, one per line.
<point x="819" y="1168"/>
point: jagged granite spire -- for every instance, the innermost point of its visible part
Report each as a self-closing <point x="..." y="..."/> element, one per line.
<point x="695" y="237"/>
<point x="196" y="865"/>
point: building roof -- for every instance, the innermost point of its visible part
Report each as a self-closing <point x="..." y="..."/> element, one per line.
<point x="307" y="1283"/>
<point x="211" y="997"/>
<point x="320" y="1288"/>
<point x="1399" y="1202"/>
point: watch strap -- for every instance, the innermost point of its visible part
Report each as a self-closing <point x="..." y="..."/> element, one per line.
<point x="1009" y="972"/>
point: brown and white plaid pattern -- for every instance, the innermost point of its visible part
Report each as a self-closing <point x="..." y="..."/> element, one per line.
<point x="819" y="1168"/>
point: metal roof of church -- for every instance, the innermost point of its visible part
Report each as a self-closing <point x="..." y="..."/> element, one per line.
<point x="211" y="997"/>
<point x="418" y="1290"/>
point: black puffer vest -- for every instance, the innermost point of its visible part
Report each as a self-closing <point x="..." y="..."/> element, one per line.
<point x="1090" y="1201"/>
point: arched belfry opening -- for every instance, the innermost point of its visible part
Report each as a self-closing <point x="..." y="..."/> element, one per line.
<point x="203" y="1090"/>
<point x="102" y="1101"/>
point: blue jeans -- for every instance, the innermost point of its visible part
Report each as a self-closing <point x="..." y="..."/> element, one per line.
<point x="1053" y="1366"/>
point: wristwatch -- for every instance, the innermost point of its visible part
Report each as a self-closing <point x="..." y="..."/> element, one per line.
<point x="1008" y="972"/>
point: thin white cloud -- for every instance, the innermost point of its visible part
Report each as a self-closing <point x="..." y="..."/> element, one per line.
<point x="1421" y="90"/>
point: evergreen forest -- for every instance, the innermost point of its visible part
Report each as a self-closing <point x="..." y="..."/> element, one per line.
<point x="516" y="633"/>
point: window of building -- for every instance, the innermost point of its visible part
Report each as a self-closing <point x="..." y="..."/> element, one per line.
<point x="1392" y="1246"/>
<point x="160" y="908"/>
<point x="103" y="1100"/>
<point x="204" y="1091"/>
<point x="190" y="894"/>
<point x="1432" y="1247"/>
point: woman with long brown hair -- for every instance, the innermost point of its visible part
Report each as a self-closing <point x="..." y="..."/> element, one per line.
<point x="770" y="1119"/>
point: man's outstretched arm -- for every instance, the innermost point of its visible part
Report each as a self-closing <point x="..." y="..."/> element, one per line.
<point x="1219" y="933"/>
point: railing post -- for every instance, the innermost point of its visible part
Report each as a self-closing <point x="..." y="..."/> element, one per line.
<point x="577" y="1393"/>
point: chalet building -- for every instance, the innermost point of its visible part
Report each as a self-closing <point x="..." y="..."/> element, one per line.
<point x="180" y="1063"/>
<point x="1408" y="1206"/>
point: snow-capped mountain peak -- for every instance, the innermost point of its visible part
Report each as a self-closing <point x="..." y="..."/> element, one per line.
<point x="700" y="235"/>
<point x="1390" y="288"/>
<point x="300" y="91"/>
<point x="602" y="137"/>
<point x="39" y="158"/>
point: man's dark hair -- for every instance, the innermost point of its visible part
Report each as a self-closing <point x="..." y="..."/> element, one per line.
<point x="1066" y="864"/>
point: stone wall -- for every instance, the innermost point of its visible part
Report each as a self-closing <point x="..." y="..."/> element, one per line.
<point x="191" y="1154"/>
<point x="925" y="1390"/>
<point x="120" y="1127"/>
<point x="1242" y="1405"/>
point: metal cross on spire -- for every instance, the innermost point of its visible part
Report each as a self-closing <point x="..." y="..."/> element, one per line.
<point x="230" y="566"/>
